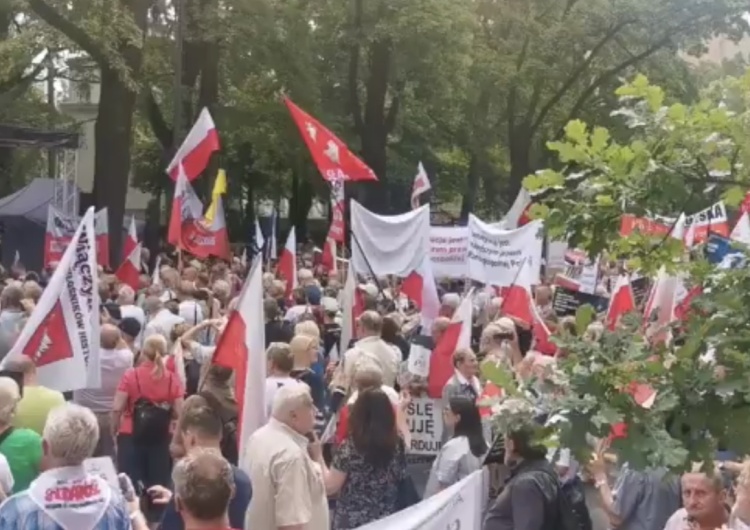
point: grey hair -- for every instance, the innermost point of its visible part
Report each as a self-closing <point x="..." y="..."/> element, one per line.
<point x="452" y="300"/>
<point x="204" y="482"/>
<point x="126" y="295"/>
<point x="289" y="398"/>
<point x="71" y="432"/>
<point x="10" y="395"/>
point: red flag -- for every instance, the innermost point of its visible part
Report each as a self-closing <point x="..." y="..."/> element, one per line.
<point x="490" y="390"/>
<point x="517" y="298"/>
<point x="456" y="336"/>
<point x="129" y="271"/>
<point x="195" y="152"/>
<point x="745" y="206"/>
<point x="518" y="215"/>
<point x="661" y="301"/>
<point x="204" y="238"/>
<point x="334" y="159"/>
<point x="338" y="201"/>
<point x="328" y="257"/>
<point x="132" y="240"/>
<point x="542" y="334"/>
<point x="622" y="302"/>
<point x="420" y="287"/>
<point x="682" y="310"/>
<point x="185" y="206"/>
<point x="287" y="266"/>
<point x="241" y="348"/>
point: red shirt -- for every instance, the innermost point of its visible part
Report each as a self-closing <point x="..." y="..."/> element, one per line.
<point x="142" y="382"/>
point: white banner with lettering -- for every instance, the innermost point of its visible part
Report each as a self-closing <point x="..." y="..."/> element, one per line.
<point x="456" y="508"/>
<point x="449" y="248"/>
<point x="425" y="419"/>
<point x="495" y="256"/>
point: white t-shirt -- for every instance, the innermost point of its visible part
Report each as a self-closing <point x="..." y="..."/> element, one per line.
<point x="273" y="383"/>
<point x="6" y="477"/>
<point x="296" y="311"/>
<point x="162" y="322"/>
<point x="192" y="312"/>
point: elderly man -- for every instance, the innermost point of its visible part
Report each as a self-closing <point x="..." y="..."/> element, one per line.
<point x="161" y="320"/>
<point x="204" y="488"/>
<point x="70" y="436"/>
<point x="288" y="489"/>
<point x="703" y="500"/>
<point x="370" y="347"/>
<point x="128" y="309"/>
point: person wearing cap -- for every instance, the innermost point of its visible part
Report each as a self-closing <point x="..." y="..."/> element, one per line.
<point x="128" y="309"/>
<point x="130" y="330"/>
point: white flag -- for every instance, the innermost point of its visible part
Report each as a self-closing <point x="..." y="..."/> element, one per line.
<point x="62" y="333"/>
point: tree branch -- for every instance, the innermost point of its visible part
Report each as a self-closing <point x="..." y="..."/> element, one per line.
<point x="21" y="81"/>
<point x="555" y="99"/>
<point x="52" y="17"/>
<point x="354" y="53"/>
<point x="161" y="129"/>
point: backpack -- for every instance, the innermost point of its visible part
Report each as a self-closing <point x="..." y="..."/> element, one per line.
<point x="151" y="421"/>
<point x="571" y="510"/>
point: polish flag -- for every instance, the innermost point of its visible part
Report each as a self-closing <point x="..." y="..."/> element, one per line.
<point x="541" y="333"/>
<point x="456" y="336"/>
<point x="287" y="266"/>
<point x="745" y="206"/>
<point x="334" y="159"/>
<point x="420" y="288"/>
<point x="260" y="241"/>
<point x="338" y="200"/>
<point x="566" y="282"/>
<point x="517" y="298"/>
<point x="62" y="333"/>
<point x="101" y="225"/>
<point x="622" y="301"/>
<point x="682" y="309"/>
<point x="518" y="215"/>
<point x="57" y="237"/>
<point x="241" y="347"/>
<point x="661" y="305"/>
<point x="131" y="241"/>
<point x="186" y="206"/>
<point x="129" y="271"/>
<point x="741" y="231"/>
<point x="421" y="185"/>
<point x="195" y="152"/>
<point x="204" y="238"/>
<point x="328" y="259"/>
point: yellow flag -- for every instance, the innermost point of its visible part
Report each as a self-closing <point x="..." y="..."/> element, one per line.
<point x="220" y="188"/>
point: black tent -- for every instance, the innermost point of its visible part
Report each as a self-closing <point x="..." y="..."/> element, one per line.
<point x="23" y="218"/>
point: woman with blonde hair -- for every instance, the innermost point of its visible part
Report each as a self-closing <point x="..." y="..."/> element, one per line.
<point x="304" y="350"/>
<point x="147" y="399"/>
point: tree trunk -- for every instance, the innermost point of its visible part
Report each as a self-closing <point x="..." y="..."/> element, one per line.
<point x="112" y="134"/>
<point x="469" y="200"/>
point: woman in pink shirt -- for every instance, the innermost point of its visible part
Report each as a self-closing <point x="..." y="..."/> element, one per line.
<point x="148" y="398"/>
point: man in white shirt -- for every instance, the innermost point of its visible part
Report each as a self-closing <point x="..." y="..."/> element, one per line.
<point x="190" y="309"/>
<point x="280" y="365"/>
<point x="161" y="320"/>
<point x="128" y="309"/>
<point x="371" y="348"/>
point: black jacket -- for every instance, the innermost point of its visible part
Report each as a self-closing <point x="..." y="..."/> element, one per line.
<point x="529" y="500"/>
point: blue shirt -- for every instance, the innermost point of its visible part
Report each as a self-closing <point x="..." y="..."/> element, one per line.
<point x="243" y="492"/>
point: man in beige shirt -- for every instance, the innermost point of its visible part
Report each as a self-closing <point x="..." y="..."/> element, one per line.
<point x="288" y="489"/>
<point x="369" y="349"/>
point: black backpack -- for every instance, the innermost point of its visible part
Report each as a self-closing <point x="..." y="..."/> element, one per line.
<point x="151" y="420"/>
<point x="571" y="510"/>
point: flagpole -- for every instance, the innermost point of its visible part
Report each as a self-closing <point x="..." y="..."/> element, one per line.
<point x="515" y="280"/>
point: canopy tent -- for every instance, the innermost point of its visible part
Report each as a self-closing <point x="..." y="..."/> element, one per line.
<point x="26" y="137"/>
<point x="23" y="217"/>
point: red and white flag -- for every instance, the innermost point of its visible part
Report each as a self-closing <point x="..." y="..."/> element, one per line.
<point x="129" y="270"/>
<point x="622" y="301"/>
<point x="59" y="233"/>
<point x="517" y="298"/>
<point x="335" y="161"/>
<point x="328" y="257"/>
<point x="131" y="241"/>
<point x="195" y="152"/>
<point x="457" y="335"/>
<point x="287" y="266"/>
<point x="241" y="347"/>
<point x="421" y="185"/>
<point x="338" y="202"/>
<point x="204" y="238"/>
<point x="101" y="224"/>
<point x="741" y="230"/>
<point x="518" y="215"/>
<point x="659" y="312"/>
<point x="420" y="288"/>
<point x="62" y="333"/>
<point x="541" y="333"/>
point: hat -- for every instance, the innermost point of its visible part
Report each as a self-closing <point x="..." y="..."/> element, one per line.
<point x="370" y="289"/>
<point x="130" y="326"/>
<point x="330" y="305"/>
<point x="312" y="293"/>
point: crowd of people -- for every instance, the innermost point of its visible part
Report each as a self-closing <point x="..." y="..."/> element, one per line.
<point x="334" y="452"/>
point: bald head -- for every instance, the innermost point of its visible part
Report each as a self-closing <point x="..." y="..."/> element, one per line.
<point x="110" y="336"/>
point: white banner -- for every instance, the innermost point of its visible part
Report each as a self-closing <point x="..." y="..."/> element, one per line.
<point x="495" y="256"/>
<point x="449" y="248"/>
<point x="456" y="508"/>
<point x="62" y="333"/>
<point x="425" y="419"/>
<point x="389" y="244"/>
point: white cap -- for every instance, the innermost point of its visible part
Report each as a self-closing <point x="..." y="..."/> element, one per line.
<point x="329" y="305"/>
<point x="369" y="288"/>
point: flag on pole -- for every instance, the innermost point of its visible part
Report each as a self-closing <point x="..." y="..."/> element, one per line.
<point x="456" y="336"/>
<point x="129" y="270"/>
<point x="220" y="188"/>
<point x="421" y="185"/>
<point x="195" y="152"/>
<point x="131" y="241"/>
<point x="287" y="267"/>
<point x="260" y="241"/>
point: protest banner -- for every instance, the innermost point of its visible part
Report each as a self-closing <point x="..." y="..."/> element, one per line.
<point x="449" y="247"/>
<point x="59" y="233"/>
<point x="566" y="302"/>
<point x="458" y="507"/>
<point x="495" y="256"/>
<point x="711" y="220"/>
<point x="424" y="417"/>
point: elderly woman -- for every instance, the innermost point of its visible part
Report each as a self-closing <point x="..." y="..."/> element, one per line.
<point x="70" y="436"/>
<point x="22" y="448"/>
<point x="499" y="342"/>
